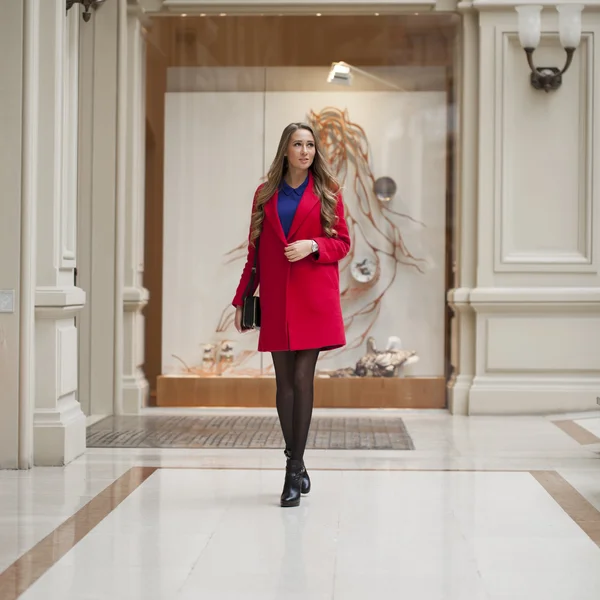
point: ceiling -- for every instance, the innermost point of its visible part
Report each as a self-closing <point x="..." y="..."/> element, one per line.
<point x="306" y="41"/>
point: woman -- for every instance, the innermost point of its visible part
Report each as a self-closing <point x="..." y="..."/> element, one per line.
<point x="299" y="228"/>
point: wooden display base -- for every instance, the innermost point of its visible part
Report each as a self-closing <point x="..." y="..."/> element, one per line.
<point x="363" y="392"/>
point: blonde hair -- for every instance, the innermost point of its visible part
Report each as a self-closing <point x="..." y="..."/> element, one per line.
<point x="325" y="184"/>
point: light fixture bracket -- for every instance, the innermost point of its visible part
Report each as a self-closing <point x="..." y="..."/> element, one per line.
<point x="87" y="6"/>
<point x="548" y="79"/>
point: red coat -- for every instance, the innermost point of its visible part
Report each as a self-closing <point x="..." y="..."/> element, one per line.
<point x="299" y="301"/>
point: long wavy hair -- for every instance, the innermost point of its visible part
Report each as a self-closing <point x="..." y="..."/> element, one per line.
<point x="325" y="184"/>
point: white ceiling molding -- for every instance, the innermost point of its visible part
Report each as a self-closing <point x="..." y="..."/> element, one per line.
<point x="295" y="7"/>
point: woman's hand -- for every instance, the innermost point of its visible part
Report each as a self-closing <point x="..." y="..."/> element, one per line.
<point x="238" y="319"/>
<point x="298" y="250"/>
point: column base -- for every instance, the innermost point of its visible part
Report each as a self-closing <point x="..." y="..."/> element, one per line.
<point x="135" y="394"/>
<point x="458" y="395"/>
<point x="463" y="351"/>
<point x="59" y="435"/>
<point x="135" y="388"/>
<point x="536" y="350"/>
<point x="59" y="424"/>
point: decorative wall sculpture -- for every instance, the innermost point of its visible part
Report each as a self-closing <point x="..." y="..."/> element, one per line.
<point x="345" y="143"/>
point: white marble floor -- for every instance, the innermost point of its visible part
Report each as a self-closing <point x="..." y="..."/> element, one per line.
<point x="462" y="517"/>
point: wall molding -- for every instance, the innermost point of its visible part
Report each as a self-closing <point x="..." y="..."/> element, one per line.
<point x="269" y="7"/>
<point x="57" y="297"/>
<point x="507" y="257"/>
<point x="135" y="299"/>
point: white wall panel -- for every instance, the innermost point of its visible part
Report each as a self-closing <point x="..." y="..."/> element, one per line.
<point x="545" y="344"/>
<point x="538" y="157"/>
<point x="543" y="179"/>
<point x="213" y="163"/>
<point x="67" y="358"/>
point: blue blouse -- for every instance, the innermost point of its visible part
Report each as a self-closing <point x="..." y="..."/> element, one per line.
<point x="287" y="203"/>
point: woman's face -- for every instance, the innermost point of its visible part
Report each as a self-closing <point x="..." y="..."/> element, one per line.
<point x="301" y="149"/>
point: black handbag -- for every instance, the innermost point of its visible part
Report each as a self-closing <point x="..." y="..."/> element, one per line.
<point x="251" y="303"/>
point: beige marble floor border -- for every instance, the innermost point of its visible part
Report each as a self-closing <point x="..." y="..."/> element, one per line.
<point x="577" y="432"/>
<point x="25" y="571"/>
<point x="572" y="502"/>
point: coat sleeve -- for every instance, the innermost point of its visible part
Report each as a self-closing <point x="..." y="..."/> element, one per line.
<point x="245" y="278"/>
<point x="332" y="250"/>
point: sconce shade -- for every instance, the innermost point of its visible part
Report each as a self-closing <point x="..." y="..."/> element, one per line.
<point x="569" y="24"/>
<point x="530" y="25"/>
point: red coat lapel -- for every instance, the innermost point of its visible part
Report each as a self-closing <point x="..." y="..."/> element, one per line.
<point x="307" y="203"/>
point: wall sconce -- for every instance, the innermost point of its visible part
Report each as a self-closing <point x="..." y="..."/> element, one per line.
<point x="530" y="25"/>
<point x="87" y="5"/>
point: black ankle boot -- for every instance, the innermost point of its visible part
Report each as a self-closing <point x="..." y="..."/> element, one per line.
<point x="292" y="487"/>
<point x="305" y="477"/>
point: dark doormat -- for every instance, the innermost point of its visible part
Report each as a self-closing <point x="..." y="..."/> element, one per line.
<point x="160" y="431"/>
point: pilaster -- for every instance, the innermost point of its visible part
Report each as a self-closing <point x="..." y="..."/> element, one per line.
<point x="111" y="203"/>
<point x="59" y="423"/>
<point x="135" y="296"/>
<point x="536" y="297"/>
<point x="465" y="240"/>
<point x="97" y="209"/>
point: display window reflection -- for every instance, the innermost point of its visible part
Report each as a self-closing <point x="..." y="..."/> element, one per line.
<point x="379" y="93"/>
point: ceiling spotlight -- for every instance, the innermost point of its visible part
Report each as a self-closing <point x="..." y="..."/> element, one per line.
<point x="341" y="73"/>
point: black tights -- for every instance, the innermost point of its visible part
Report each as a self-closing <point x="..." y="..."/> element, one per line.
<point x="294" y="374"/>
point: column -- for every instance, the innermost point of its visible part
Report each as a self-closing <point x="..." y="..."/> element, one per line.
<point x="537" y="291"/>
<point x="135" y="296"/>
<point x="111" y="210"/>
<point x="463" y="325"/>
<point x="59" y="423"/>
<point x="97" y="207"/>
